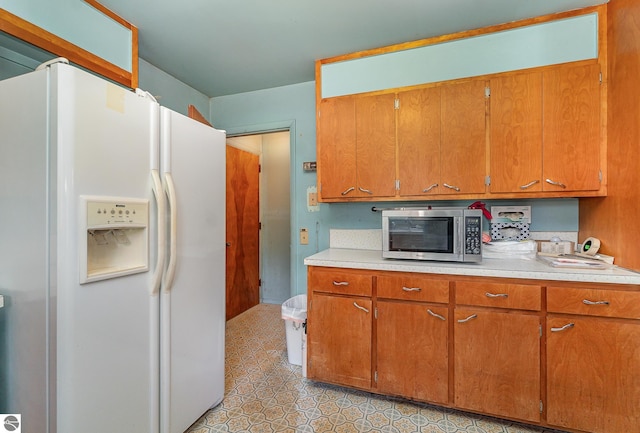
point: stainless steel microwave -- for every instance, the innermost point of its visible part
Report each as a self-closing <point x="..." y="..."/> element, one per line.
<point x="425" y="233"/>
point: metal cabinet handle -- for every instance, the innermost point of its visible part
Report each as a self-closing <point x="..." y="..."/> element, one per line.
<point x="340" y="283"/>
<point x="430" y="187"/>
<point x="436" y="315"/>
<point x="562" y="328"/>
<point x="411" y="289"/>
<point x="348" y="190"/>
<point x="365" y="190"/>
<point x="496" y="295"/>
<point x="588" y="302"/>
<point x="473" y="316"/>
<point x="529" y="185"/>
<point x="446" y="185"/>
<point x="355" y="304"/>
<point x="560" y="184"/>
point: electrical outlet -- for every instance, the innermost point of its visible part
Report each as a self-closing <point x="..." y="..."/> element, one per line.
<point x="304" y="237"/>
<point x="313" y="199"/>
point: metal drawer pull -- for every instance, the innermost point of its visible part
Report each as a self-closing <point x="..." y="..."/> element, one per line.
<point x="368" y="191"/>
<point x="430" y="187"/>
<point x="473" y="316"/>
<point x="362" y="308"/>
<point x="411" y="289"/>
<point x="562" y="328"/>
<point x="588" y="302"/>
<point x="529" y="185"/>
<point x="340" y="283"/>
<point x="446" y="185"/>
<point x="497" y="295"/>
<point x="560" y="184"/>
<point x="435" y="315"/>
<point x="347" y="191"/>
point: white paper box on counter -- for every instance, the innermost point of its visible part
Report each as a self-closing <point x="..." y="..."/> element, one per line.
<point x="511" y="214"/>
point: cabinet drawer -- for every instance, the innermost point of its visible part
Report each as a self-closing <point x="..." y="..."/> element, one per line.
<point x="594" y="302"/>
<point x="413" y="288"/>
<point x="340" y="281"/>
<point x="513" y="296"/>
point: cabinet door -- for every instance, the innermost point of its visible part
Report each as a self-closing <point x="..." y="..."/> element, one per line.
<point x="376" y="146"/>
<point x="571" y="137"/>
<point x="516" y="133"/>
<point x="339" y="340"/>
<point x="463" y="138"/>
<point x="336" y="151"/>
<point x="497" y="363"/>
<point x="419" y="142"/>
<point x="412" y="351"/>
<point x="593" y="374"/>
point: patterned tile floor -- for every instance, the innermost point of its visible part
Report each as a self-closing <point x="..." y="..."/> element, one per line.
<point x="266" y="394"/>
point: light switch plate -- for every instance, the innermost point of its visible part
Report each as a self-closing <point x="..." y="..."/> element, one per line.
<point x="304" y="237"/>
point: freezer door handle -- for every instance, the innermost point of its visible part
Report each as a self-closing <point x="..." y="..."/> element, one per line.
<point x="162" y="243"/>
<point x="173" y="214"/>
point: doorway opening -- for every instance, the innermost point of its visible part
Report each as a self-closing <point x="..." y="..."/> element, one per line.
<point x="258" y="211"/>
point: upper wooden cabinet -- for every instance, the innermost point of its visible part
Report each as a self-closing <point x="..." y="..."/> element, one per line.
<point x="442" y="140"/>
<point x="544" y="139"/>
<point x="375" y="146"/>
<point x="336" y="147"/>
<point x="571" y="133"/>
<point x="516" y="133"/>
<point x="419" y="141"/>
<point x="545" y="131"/>
<point x="356" y="147"/>
<point x="463" y="148"/>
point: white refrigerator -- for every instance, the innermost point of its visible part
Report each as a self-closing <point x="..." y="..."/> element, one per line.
<point x="112" y="258"/>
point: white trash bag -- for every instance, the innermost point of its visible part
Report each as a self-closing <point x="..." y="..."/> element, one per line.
<point x="294" y="313"/>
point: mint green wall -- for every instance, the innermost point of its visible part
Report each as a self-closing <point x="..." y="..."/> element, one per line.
<point x="289" y="107"/>
<point x="80" y="24"/>
<point x="169" y="91"/>
<point x="295" y="105"/>
<point x="17" y="57"/>
<point x="548" y="43"/>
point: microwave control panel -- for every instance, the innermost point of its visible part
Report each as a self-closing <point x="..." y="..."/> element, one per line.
<point x="473" y="235"/>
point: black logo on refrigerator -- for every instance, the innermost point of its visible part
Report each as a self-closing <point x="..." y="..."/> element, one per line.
<point x="11" y="423"/>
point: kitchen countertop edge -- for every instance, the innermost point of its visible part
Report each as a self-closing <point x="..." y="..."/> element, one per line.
<point x="502" y="268"/>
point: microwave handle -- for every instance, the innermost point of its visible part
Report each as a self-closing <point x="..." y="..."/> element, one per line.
<point x="458" y="247"/>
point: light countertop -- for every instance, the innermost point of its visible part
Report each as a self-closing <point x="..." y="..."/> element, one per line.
<point x="514" y="268"/>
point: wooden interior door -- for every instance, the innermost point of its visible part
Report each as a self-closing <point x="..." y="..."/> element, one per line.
<point x="243" y="231"/>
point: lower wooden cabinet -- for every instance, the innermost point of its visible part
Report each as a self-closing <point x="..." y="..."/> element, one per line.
<point x="340" y="348"/>
<point x="497" y="363"/>
<point x="593" y="381"/>
<point x="413" y="351"/>
<point x="593" y="359"/>
<point x="549" y="353"/>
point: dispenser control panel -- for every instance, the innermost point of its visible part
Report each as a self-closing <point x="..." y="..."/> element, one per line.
<point x="127" y="213"/>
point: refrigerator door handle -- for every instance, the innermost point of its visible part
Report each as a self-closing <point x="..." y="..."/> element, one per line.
<point x="173" y="209"/>
<point x="162" y="243"/>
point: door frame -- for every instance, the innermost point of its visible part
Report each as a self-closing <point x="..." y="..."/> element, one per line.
<point x="266" y="128"/>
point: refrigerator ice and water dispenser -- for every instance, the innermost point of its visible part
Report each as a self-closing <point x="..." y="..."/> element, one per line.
<point x="114" y="239"/>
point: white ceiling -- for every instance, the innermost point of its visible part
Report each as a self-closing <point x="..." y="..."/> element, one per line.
<point x="223" y="47"/>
